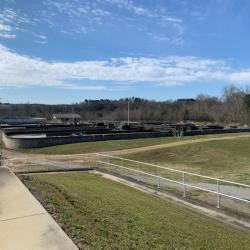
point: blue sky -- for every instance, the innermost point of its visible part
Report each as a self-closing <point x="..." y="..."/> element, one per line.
<point x="64" y="51"/>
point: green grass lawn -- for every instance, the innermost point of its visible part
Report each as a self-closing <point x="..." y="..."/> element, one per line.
<point x="228" y="159"/>
<point x="101" y="214"/>
<point x="102" y="146"/>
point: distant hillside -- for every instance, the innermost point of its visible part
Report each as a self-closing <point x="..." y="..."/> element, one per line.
<point x="232" y="107"/>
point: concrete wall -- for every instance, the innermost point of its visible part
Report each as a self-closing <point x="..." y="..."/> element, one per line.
<point x="22" y="143"/>
<point x="216" y="131"/>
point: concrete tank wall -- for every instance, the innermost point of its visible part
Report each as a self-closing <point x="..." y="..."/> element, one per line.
<point x="22" y="143"/>
<point x="216" y="131"/>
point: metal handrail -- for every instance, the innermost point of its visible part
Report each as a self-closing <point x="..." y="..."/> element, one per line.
<point x="178" y="182"/>
<point x="175" y="170"/>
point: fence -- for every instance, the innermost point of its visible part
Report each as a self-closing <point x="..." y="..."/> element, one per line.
<point x="163" y="176"/>
<point x="214" y="191"/>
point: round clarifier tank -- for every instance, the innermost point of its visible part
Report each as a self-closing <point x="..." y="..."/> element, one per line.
<point x="28" y="136"/>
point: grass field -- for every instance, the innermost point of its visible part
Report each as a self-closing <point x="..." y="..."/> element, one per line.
<point x="103" y="146"/>
<point x="228" y="159"/>
<point x="101" y="214"/>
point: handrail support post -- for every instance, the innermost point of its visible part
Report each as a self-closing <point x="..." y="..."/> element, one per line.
<point x="218" y="194"/>
<point x="184" y="185"/>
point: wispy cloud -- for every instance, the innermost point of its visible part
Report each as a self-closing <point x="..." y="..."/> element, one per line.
<point x="42" y="39"/>
<point x="4" y="27"/>
<point x="82" y="17"/>
<point x="20" y="71"/>
<point x="86" y="87"/>
<point x="11" y="21"/>
<point x="139" y="10"/>
<point x="79" y="18"/>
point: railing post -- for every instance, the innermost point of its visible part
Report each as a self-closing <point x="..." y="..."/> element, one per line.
<point x="158" y="173"/>
<point x="218" y="194"/>
<point x="121" y="168"/>
<point x="184" y="185"/>
<point x="138" y="174"/>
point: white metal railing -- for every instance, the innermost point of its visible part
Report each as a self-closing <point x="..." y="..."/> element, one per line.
<point x="184" y="183"/>
<point x="68" y="163"/>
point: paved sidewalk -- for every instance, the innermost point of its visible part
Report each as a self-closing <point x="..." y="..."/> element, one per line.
<point x="24" y="223"/>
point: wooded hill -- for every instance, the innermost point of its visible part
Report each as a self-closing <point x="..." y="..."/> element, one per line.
<point x="232" y="107"/>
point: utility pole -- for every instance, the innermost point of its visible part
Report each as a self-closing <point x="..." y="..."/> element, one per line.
<point x="73" y="111"/>
<point x="128" y="112"/>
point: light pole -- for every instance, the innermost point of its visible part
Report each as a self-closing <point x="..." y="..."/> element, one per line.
<point x="73" y="114"/>
<point x="128" y="111"/>
<point x="130" y="101"/>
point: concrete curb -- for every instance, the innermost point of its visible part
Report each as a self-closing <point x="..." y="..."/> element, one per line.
<point x="24" y="223"/>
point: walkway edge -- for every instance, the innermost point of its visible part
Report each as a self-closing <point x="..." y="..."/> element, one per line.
<point x="24" y="223"/>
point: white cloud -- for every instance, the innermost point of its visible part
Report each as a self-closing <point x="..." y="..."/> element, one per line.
<point x="10" y="22"/>
<point x="171" y="27"/>
<point x="155" y="13"/>
<point x="8" y="36"/>
<point x="4" y="27"/>
<point x="76" y="87"/>
<point x="42" y="39"/>
<point x="6" y="31"/>
<point x="242" y="76"/>
<point x="82" y="17"/>
<point x="75" y="17"/>
<point x="20" y="71"/>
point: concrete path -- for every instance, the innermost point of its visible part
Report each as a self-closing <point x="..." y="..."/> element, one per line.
<point x="237" y="191"/>
<point x="24" y="223"/>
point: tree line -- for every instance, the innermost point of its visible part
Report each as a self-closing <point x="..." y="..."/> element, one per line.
<point x="232" y="107"/>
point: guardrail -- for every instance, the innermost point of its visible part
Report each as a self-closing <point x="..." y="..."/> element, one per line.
<point x="184" y="175"/>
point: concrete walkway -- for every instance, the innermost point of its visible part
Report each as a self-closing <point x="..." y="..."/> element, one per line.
<point x="24" y="223"/>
